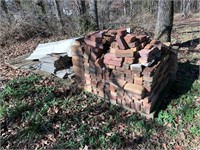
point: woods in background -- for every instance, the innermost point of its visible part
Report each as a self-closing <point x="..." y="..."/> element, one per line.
<point x="28" y="18"/>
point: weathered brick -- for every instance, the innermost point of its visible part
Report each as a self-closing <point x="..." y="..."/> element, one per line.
<point x="134" y="88"/>
<point x="124" y="53"/>
<point x="122" y="43"/>
<point x="134" y="44"/>
<point x="129" y="80"/>
<point x="146" y="53"/>
<point x="129" y="60"/>
<point x="126" y="66"/>
<point x="137" y="105"/>
<point x="148" y="46"/>
<point x="113" y="62"/>
<point x="121" y="32"/>
<point x="154" y="42"/>
<point x="77" y="62"/>
<point x="111" y="56"/>
<point x="143" y="60"/>
<point x="136" y="67"/>
<point x="138" y="80"/>
<point x="97" y="37"/>
<point x="76" y="50"/>
<point x="112" y="67"/>
<point x="97" y="51"/>
<point x="142" y="38"/>
<point x="113" y="50"/>
<point x="129" y="38"/>
<point x="114" y="45"/>
<point x="113" y="87"/>
<point x="93" y="43"/>
<point x="119" y="82"/>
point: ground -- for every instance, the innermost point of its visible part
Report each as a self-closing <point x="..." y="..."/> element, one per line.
<point x="38" y="112"/>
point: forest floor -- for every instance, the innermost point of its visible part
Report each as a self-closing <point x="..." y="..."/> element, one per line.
<point x="38" y="112"/>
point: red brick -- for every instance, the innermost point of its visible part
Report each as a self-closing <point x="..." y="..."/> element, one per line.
<point x="137" y="96"/>
<point x="120" y="69"/>
<point x="77" y="62"/>
<point x="97" y="51"/>
<point x="129" y="38"/>
<point x="143" y="60"/>
<point x="142" y="38"/>
<point x="77" y="69"/>
<point x="128" y="72"/>
<point x="118" y="74"/>
<point x="122" y="43"/>
<point x="154" y="42"/>
<point x="113" y="62"/>
<point x="126" y="66"/>
<point x="137" y="105"/>
<point x="121" y="32"/>
<point x="138" y="80"/>
<point x="109" y="38"/>
<point x="119" y="82"/>
<point x="114" y="45"/>
<point x="134" y="88"/>
<point x="112" y="31"/>
<point x="112" y="67"/>
<point x="129" y="60"/>
<point x="149" y="71"/>
<point x="147" y="108"/>
<point x="113" y="95"/>
<point x="113" y="50"/>
<point x="113" y="87"/>
<point x="76" y="51"/>
<point x="148" y="46"/>
<point x="132" y="105"/>
<point x="146" y="53"/>
<point x="134" y="44"/>
<point x="129" y="80"/>
<point x="92" y="43"/>
<point x="97" y="37"/>
<point x="111" y="56"/>
<point x="124" y="53"/>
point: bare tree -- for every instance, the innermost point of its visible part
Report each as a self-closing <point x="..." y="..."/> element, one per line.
<point x="59" y="14"/>
<point x="186" y="8"/>
<point x="164" y="20"/>
<point x="94" y="13"/>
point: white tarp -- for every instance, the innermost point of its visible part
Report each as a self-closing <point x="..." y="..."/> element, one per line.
<point x="54" y="47"/>
<point x="59" y="47"/>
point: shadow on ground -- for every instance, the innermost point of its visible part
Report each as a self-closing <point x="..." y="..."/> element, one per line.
<point x="186" y="75"/>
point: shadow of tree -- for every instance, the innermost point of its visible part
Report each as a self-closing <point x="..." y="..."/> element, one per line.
<point x="192" y="44"/>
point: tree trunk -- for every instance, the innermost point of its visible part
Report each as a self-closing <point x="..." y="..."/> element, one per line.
<point x="41" y="4"/>
<point x="186" y="8"/>
<point x="58" y="14"/>
<point x="164" y="20"/>
<point x="94" y="13"/>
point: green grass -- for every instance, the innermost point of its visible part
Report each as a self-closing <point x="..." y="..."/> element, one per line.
<point x="37" y="114"/>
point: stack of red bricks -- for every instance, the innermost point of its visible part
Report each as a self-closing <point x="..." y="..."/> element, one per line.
<point x="127" y="69"/>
